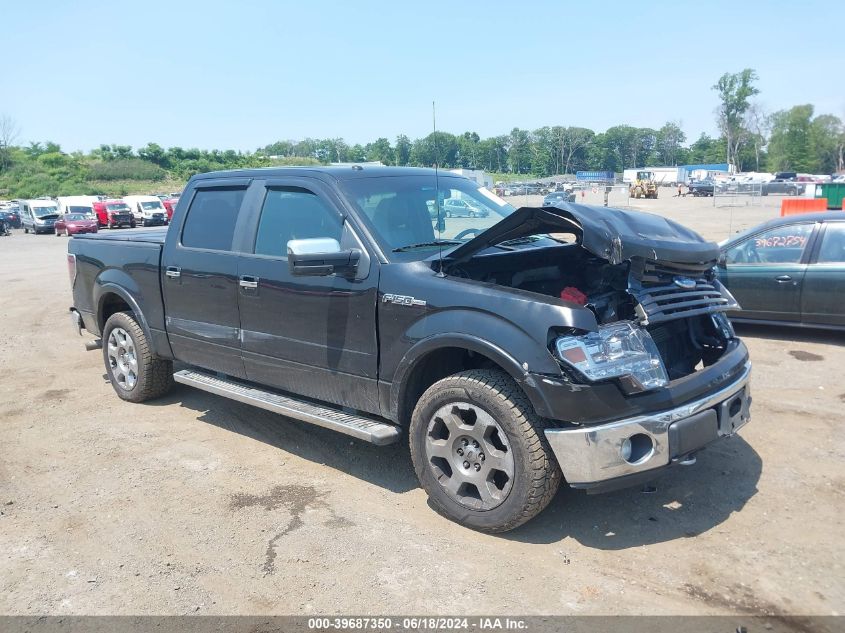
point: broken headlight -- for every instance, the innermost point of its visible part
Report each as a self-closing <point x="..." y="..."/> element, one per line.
<point x="615" y="350"/>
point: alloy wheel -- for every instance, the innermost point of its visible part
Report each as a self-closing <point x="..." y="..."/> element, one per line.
<point x="469" y="455"/>
<point x="123" y="359"/>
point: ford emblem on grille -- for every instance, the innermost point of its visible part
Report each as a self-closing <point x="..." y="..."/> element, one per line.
<point x="684" y="282"/>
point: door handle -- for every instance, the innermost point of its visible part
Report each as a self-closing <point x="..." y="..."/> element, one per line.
<point x="248" y="281"/>
<point x="174" y="272"/>
<point x="782" y="279"/>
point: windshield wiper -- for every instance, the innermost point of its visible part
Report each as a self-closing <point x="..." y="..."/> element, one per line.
<point x="424" y="244"/>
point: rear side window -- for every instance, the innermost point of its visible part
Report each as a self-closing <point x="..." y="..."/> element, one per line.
<point x="212" y="217"/>
<point x="293" y="213"/>
<point x="832" y="250"/>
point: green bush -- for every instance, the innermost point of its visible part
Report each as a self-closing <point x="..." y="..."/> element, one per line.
<point x="126" y="169"/>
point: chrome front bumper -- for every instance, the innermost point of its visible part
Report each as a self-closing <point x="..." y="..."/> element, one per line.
<point x="592" y="454"/>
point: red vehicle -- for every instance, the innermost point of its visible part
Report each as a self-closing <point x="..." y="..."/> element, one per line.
<point x="169" y="205"/>
<point x="73" y="224"/>
<point x="114" y="213"/>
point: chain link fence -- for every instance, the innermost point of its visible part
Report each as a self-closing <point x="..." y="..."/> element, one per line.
<point x="737" y="194"/>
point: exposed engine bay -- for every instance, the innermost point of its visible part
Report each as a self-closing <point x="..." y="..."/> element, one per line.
<point x="680" y="305"/>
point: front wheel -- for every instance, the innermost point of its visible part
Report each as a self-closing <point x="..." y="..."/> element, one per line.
<point x="134" y="372"/>
<point x="480" y="451"/>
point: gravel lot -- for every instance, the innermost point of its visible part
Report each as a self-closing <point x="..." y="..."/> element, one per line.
<point x="196" y="504"/>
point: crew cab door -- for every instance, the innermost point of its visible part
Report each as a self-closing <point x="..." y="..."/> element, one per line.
<point x="200" y="279"/>
<point x="310" y="335"/>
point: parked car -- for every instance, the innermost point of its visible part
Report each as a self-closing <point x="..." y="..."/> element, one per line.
<point x="5" y="227"/>
<point x="11" y="217"/>
<point x="113" y="214"/>
<point x="556" y="197"/>
<point x="787" y="187"/>
<point x="38" y="215"/>
<point x="789" y="270"/>
<point x="506" y="374"/>
<point x="460" y="208"/>
<point x="75" y="224"/>
<point x="701" y="188"/>
<point x="148" y="210"/>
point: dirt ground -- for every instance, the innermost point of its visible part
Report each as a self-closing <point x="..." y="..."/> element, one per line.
<point x="196" y="504"/>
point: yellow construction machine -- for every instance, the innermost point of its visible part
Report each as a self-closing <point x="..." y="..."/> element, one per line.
<point x="644" y="186"/>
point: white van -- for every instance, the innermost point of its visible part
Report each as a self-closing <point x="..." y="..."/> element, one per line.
<point x="77" y="204"/>
<point x="147" y="210"/>
<point x="38" y="215"/>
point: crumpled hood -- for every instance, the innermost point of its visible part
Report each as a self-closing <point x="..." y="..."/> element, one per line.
<point x="613" y="234"/>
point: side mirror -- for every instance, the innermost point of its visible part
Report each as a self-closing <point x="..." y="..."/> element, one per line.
<point x="321" y="257"/>
<point x="723" y="260"/>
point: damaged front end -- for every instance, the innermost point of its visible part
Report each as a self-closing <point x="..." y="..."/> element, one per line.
<point x="662" y="374"/>
<point x="649" y="282"/>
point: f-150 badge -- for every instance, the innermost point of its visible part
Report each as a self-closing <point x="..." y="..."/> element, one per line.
<point x="402" y="300"/>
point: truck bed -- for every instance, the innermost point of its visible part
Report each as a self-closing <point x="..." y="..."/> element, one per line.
<point x="126" y="263"/>
<point x="154" y="235"/>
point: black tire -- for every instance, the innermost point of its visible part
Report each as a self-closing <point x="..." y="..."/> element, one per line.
<point x="154" y="376"/>
<point x="536" y="473"/>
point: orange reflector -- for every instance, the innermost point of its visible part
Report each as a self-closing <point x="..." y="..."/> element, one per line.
<point x="574" y="355"/>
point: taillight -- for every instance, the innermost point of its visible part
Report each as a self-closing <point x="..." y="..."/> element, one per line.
<point x="71" y="268"/>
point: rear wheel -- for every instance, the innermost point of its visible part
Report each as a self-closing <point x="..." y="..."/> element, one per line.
<point x="134" y="372"/>
<point x="480" y="451"/>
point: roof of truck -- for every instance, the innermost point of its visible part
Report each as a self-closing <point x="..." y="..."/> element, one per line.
<point x="339" y="173"/>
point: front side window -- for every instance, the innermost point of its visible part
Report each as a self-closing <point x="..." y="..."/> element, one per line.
<point x="414" y="210"/>
<point x="832" y="249"/>
<point x="293" y="213"/>
<point x="211" y="218"/>
<point x="781" y="245"/>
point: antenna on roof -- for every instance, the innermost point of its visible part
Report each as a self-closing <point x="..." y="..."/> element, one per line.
<point x="437" y="192"/>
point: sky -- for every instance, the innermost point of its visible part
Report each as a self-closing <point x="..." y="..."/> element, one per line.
<point x="240" y="75"/>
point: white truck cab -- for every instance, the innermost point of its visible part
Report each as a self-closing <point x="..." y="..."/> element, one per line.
<point x="77" y="204"/>
<point x="147" y="210"/>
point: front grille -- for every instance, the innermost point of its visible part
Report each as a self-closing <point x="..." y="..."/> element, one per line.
<point x="658" y="288"/>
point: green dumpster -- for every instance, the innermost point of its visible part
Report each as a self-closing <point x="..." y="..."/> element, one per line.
<point x="833" y="191"/>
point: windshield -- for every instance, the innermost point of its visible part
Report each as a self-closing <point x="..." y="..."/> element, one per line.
<point x="75" y="217"/>
<point x="117" y="207"/>
<point x="404" y="211"/>
<point x="151" y="206"/>
<point x="75" y="209"/>
<point x="41" y="212"/>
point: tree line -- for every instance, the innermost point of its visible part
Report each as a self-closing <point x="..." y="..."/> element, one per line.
<point x="795" y="139"/>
